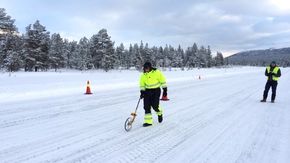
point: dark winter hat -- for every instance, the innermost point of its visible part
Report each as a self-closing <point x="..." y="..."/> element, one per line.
<point x="273" y="62"/>
<point x="147" y="65"/>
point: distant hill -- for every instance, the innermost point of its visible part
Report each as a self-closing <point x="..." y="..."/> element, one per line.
<point x="261" y="57"/>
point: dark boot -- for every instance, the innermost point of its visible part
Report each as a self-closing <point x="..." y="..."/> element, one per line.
<point x="160" y="118"/>
<point x="146" y="124"/>
<point x="273" y="98"/>
<point x="264" y="100"/>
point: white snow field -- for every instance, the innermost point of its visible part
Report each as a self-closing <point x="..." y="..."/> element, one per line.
<point x="45" y="117"/>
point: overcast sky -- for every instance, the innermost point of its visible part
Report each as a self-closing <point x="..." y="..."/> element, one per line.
<point x="228" y="26"/>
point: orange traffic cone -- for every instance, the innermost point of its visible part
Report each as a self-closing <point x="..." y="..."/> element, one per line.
<point x="164" y="98"/>
<point x="88" y="91"/>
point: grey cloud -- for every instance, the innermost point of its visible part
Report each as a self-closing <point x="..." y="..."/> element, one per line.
<point x="226" y="25"/>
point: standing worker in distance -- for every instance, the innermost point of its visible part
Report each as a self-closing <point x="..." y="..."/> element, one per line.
<point x="150" y="82"/>
<point x="273" y="73"/>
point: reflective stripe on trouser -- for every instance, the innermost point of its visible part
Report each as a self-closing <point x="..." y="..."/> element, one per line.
<point x="148" y="119"/>
<point x="160" y="112"/>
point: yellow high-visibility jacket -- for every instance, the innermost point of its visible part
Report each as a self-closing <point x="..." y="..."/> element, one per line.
<point x="275" y="71"/>
<point x="152" y="79"/>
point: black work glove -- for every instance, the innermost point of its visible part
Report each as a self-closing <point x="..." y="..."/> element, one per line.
<point x="164" y="92"/>
<point x="142" y="93"/>
<point x="271" y="73"/>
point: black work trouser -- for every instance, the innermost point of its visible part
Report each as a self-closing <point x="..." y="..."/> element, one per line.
<point x="151" y="99"/>
<point x="268" y="85"/>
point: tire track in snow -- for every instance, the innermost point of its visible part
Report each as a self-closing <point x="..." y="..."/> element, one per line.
<point x="93" y="154"/>
<point x="106" y="120"/>
<point x="57" y="110"/>
<point x="156" y="135"/>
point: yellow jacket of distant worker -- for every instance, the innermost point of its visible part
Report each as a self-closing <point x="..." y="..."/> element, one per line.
<point x="275" y="71"/>
<point x="153" y="79"/>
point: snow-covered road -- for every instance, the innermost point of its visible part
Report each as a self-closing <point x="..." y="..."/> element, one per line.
<point x="218" y="119"/>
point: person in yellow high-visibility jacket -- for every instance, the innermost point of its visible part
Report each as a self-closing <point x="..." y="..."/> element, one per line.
<point x="273" y="73"/>
<point x="150" y="82"/>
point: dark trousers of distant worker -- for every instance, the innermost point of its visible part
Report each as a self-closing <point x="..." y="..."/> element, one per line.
<point x="151" y="99"/>
<point x="268" y="85"/>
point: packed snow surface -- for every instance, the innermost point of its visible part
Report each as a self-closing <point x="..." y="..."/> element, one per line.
<point x="45" y="117"/>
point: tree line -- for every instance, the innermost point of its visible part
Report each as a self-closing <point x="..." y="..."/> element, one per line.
<point x="37" y="50"/>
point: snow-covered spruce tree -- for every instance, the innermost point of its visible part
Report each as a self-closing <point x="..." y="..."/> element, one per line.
<point x="191" y="58"/>
<point x="132" y="57"/>
<point x="102" y="51"/>
<point x="154" y="51"/>
<point x="127" y="58"/>
<point x="36" y="47"/>
<point x="146" y="53"/>
<point x="137" y="58"/>
<point x="141" y="54"/>
<point x="141" y="49"/>
<point x="120" y="53"/>
<point x="187" y="59"/>
<point x="177" y="57"/>
<point x="201" y="56"/>
<point x="96" y="57"/>
<point x="14" y="58"/>
<point x="219" y="59"/>
<point x="123" y="57"/>
<point x="106" y="48"/>
<point x="165" y="54"/>
<point x="208" y="57"/>
<point x="170" y="56"/>
<point x="196" y="57"/>
<point x="56" y="58"/>
<point x="10" y="43"/>
<point x="73" y="55"/>
<point x="66" y="53"/>
<point x="159" y="57"/>
<point x="83" y="52"/>
<point x="6" y="23"/>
